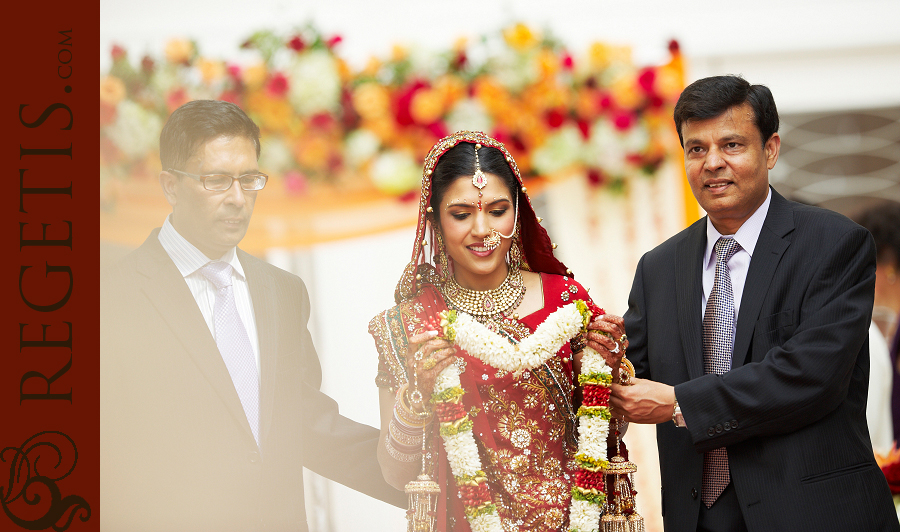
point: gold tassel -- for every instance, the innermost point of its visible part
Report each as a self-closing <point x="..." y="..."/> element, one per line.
<point x="635" y="523"/>
<point x="613" y="523"/>
<point x="423" y="496"/>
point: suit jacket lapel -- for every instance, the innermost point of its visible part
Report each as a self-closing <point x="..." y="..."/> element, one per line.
<point x="169" y="294"/>
<point x="766" y="255"/>
<point x="688" y="294"/>
<point x="264" y="309"/>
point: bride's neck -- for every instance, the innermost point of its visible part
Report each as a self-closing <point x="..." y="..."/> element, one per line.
<point x="482" y="282"/>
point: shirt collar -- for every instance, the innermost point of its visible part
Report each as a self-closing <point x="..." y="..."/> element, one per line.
<point x="747" y="235"/>
<point x="187" y="258"/>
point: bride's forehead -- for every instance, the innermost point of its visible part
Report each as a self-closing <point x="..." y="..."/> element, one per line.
<point x="462" y="187"/>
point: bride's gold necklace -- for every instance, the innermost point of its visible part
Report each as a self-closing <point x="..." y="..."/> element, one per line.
<point x="487" y="303"/>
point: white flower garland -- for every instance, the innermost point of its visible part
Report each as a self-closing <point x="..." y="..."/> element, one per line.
<point x="456" y="428"/>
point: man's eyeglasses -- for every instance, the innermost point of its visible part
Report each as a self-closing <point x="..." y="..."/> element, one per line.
<point x="222" y="182"/>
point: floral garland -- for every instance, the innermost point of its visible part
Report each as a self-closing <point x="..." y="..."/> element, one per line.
<point x="588" y="492"/>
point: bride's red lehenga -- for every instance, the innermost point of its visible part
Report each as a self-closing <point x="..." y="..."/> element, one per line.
<point x="524" y="424"/>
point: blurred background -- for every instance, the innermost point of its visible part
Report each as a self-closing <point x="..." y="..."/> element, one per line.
<point x="350" y="95"/>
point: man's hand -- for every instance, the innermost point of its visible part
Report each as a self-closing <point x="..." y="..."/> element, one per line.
<point x="643" y="401"/>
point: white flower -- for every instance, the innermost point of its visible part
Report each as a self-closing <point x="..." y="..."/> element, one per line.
<point x="562" y="149"/>
<point x="469" y="114"/>
<point x="559" y="327"/>
<point x="462" y="453"/>
<point x="136" y="130"/>
<point x="605" y="149"/>
<point x="275" y="156"/>
<point x="448" y="378"/>
<point x="592" y="433"/>
<point x="584" y="516"/>
<point x="315" y="84"/>
<point x="360" y="146"/>
<point x="486" y="523"/>
<point x="395" y="172"/>
<point x="593" y="362"/>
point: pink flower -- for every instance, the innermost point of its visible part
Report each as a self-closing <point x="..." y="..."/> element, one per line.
<point x="278" y="85"/>
<point x="646" y="79"/>
<point x="623" y="121"/>
<point x="295" y="182"/>
<point x="334" y="41"/>
<point x="117" y="52"/>
<point x="567" y="62"/>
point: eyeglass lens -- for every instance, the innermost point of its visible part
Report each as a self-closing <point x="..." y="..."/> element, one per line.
<point x="223" y="182"/>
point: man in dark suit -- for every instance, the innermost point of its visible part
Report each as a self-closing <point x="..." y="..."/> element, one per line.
<point x="210" y="401"/>
<point x="752" y="353"/>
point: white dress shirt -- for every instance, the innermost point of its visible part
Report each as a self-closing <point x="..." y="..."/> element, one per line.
<point x="188" y="259"/>
<point x="747" y="236"/>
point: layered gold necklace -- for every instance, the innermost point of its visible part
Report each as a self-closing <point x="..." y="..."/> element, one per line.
<point x="489" y="307"/>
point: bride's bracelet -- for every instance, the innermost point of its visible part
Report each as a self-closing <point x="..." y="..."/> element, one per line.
<point x="403" y="454"/>
<point x="405" y="413"/>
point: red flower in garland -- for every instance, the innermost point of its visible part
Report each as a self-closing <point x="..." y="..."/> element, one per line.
<point x="595" y="395"/>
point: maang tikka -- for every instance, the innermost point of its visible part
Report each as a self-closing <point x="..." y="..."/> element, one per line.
<point x="479" y="181"/>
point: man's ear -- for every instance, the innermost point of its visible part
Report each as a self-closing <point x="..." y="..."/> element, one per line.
<point x="167" y="181"/>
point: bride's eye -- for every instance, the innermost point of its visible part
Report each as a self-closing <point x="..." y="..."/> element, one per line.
<point x="499" y="212"/>
<point x="460" y="215"/>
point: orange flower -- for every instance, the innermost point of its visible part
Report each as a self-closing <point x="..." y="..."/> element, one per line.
<point x="601" y="56"/>
<point x="255" y="76"/>
<point x="427" y="106"/>
<point x="371" y="100"/>
<point x="210" y="70"/>
<point x="179" y="51"/>
<point x="625" y="91"/>
<point x="520" y="37"/>
<point x="548" y="63"/>
<point x="112" y="90"/>
<point x="669" y="81"/>
<point x="312" y="152"/>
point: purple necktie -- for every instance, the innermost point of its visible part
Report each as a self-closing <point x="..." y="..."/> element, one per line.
<point x="718" y="344"/>
<point x="234" y="343"/>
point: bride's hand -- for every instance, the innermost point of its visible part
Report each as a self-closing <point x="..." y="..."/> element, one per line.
<point x="606" y="335"/>
<point x="426" y="357"/>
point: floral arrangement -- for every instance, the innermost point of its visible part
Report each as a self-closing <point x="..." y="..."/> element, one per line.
<point x="323" y="122"/>
<point x="890" y="466"/>
<point x="588" y="492"/>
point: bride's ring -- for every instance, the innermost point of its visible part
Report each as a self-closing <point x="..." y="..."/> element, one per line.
<point x="429" y="363"/>
<point x="616" y="350"/>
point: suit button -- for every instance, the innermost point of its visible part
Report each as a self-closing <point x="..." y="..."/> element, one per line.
<point x="694" y="493"/>
<point x="718" y="429"/>
<point x="254" y="457"/>
<point x="734" y="423"/>
<point x="711" y="431"/>
<point x="727" y="425"/>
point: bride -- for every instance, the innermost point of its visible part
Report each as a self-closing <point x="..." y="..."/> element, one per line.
<point x="490" y="259"/>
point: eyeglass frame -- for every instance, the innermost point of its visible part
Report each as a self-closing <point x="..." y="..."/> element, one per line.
<point x="202" y="180"/>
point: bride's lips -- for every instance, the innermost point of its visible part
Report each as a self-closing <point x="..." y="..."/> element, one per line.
<point x="480" y="250"/>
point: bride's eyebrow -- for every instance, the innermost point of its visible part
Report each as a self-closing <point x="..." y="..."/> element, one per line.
<point x="460" y="203"/>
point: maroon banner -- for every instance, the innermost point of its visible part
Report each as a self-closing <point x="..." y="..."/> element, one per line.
<point x="49" y="260"/>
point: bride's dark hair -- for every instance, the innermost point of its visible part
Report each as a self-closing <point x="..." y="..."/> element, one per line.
<point x="459" y="161"/>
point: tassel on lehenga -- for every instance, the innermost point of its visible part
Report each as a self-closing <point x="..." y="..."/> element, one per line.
<point x="423" y="497"/>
